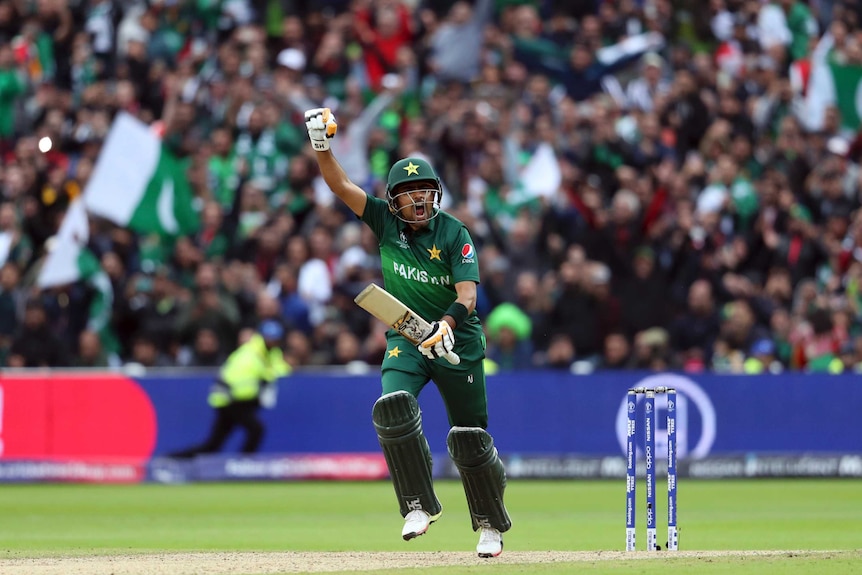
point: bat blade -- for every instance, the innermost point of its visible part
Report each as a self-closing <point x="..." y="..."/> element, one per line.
<point x="394" y="313"/>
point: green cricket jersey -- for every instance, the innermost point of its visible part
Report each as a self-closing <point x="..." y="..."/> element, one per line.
<point x="421" y="268"/>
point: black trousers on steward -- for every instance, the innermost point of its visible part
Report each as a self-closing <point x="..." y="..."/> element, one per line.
<point x="242" y="414"/>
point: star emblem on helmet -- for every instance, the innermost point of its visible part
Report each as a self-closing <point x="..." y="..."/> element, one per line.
<point x="412" y="169"/>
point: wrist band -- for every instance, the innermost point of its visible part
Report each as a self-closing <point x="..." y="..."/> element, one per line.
<point x="458" y="312"/>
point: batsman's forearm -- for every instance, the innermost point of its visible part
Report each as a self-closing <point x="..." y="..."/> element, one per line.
<point x="337" y="180"/>
<point x="466" y="298"/>
<point x="332" y="172"/>
<point x="466" y="294"/>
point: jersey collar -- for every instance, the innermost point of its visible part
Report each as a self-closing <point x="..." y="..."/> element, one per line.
<point x="432" y="226"/>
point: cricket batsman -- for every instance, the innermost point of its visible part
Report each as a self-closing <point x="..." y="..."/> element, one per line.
<point x="430" y="263"/>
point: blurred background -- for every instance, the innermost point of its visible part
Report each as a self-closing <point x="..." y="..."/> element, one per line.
<point x="651" y="184"/>
<point x="654" y="187"/>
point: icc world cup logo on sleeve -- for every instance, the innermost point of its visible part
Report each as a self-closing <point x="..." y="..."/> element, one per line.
<point x="695" y="416"/>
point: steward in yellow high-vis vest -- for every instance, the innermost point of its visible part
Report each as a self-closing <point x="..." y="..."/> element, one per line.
<point x="246" y="381"/>
<point x="252" y="368"/>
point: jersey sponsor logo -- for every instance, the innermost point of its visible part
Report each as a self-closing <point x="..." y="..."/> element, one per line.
<point x="467" y="254"/>
<point x="409" y="272"/>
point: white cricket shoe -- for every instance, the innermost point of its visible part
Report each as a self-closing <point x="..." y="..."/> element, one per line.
<point x="490" y="542"/>
<point x="416" y="523"/>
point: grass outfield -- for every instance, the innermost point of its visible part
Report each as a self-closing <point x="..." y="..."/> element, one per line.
<point x="45" y="525"/>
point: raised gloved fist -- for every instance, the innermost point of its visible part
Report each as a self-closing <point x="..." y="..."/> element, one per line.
<point x="321" y="127"/>
<point x="439" y="343"/>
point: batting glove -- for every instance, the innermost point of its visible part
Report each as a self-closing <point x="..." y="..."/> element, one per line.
<point x="439" y="343"/>
<point x="321" y="127"/>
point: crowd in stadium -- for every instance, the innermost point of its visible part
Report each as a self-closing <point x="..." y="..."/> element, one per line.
<point x="651" y="184"/>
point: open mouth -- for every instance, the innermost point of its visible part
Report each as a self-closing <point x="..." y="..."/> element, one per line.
<point x="420" y="212"/>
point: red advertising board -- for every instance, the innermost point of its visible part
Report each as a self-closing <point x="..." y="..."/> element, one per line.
<point x="83" y="417"/>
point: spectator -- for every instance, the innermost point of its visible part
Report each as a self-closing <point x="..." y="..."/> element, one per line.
<point x="608" y="309"/>
<point x="34" y="344"/>
<point x="762" y="358"/>
<point x="299" y="348"/>
<point x="206" y="351"/>
<point x="617" y="352"/>
<point x="725" y="359"/>
<point x="348" y="349"/>
<point x="10" y="298"/>
<point x="294" y="311"/>
<point x="699" y="326"/>
<point x="15" y="246"/>
<point x="686" y="113"/>
<point x="800" y="250"/>
<point x="208" y="309"/>
<point x="643" y="295"/>
<point x="850" y="355"/>
<point x="456" y="41"/>
<point x="381" y="30"/>
<point x="12" y="87"/>
<point x="314" y="281"/>
<point x="90" y="352"/>
<point x="509" y="344"/>
<point x="642" y="92"/>
<point x="153" y="307"/>
<point x="739" y="326"/>
<point x="560" y="354"/>
<point x="652" y="350"/>
<point x="573" y="312"/>
<point x="145" y="353"/>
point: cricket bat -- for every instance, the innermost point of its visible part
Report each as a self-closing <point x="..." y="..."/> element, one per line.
<point x="391" y="311"/>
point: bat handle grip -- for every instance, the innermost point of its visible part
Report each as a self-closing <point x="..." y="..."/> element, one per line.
<point x="452" y="358"/>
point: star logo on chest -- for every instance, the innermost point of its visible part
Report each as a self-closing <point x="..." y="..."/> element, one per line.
<point x="435" y="253"/>
<point x="412" y="169"/>
<point x="394" y="352"/>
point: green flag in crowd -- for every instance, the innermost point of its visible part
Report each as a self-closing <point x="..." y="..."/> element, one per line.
<point x="137" y="183"/>
<point x="846" y="79"/>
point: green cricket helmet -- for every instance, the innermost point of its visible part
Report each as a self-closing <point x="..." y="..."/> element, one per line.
<point x="402" y="180"/>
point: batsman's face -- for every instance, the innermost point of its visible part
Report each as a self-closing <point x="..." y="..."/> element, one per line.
<point x="417" y="202"/>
